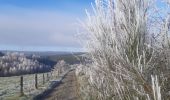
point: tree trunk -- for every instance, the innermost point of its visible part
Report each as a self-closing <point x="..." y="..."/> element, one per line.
<point x="36" y="81"/>
<point x="21" y="86"/>
<point x="43" y="79"/>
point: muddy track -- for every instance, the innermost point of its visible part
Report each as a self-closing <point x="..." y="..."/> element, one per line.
<point x="66" y="90"/>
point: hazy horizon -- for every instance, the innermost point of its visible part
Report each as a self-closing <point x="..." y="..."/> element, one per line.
<point x="41" y="25"/>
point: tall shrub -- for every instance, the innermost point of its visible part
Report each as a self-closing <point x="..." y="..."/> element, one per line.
<point x="127" y="44"/>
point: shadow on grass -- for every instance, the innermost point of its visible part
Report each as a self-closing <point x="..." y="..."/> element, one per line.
<point x="51" y="88"/>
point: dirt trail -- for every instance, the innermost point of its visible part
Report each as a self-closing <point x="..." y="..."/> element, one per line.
<point x="67" y="90"/>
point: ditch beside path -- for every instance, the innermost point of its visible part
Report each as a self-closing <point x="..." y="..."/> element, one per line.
<point x="67" y="90"/>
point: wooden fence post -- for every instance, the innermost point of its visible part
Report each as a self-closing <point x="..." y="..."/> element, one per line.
<point x="43" y="79"/>
<point x="47" y="77"/>
<point x="36" y="81"/>
<point x="21" y="86"/>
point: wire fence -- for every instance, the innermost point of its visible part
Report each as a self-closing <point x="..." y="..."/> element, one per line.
<point x="10" y="86"/>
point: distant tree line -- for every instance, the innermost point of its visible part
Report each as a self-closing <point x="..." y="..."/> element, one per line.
<point x="69" y="58"/>
<point x="18" y="64"/>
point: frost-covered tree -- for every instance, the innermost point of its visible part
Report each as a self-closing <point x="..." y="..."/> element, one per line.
<point x="17" y="64"/>
<point x="60" y="67"/>
<point x="128" y="44"/>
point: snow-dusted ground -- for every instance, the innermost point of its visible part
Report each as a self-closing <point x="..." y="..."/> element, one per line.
<point x="67" y="89"/>
<point x="10" y="86"/>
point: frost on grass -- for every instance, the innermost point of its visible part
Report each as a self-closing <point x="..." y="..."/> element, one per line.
<point x="128" y="44"/>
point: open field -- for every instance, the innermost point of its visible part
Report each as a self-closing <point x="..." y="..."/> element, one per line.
<point x="10" y="86"/>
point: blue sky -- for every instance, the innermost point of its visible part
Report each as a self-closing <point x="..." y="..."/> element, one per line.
<point x="41" y="25"/>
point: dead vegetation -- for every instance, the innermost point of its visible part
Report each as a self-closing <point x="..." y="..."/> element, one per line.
<point x="128" y="43"/>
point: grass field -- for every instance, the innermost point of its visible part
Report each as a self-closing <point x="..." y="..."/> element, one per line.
<point x="10" y="86"/>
